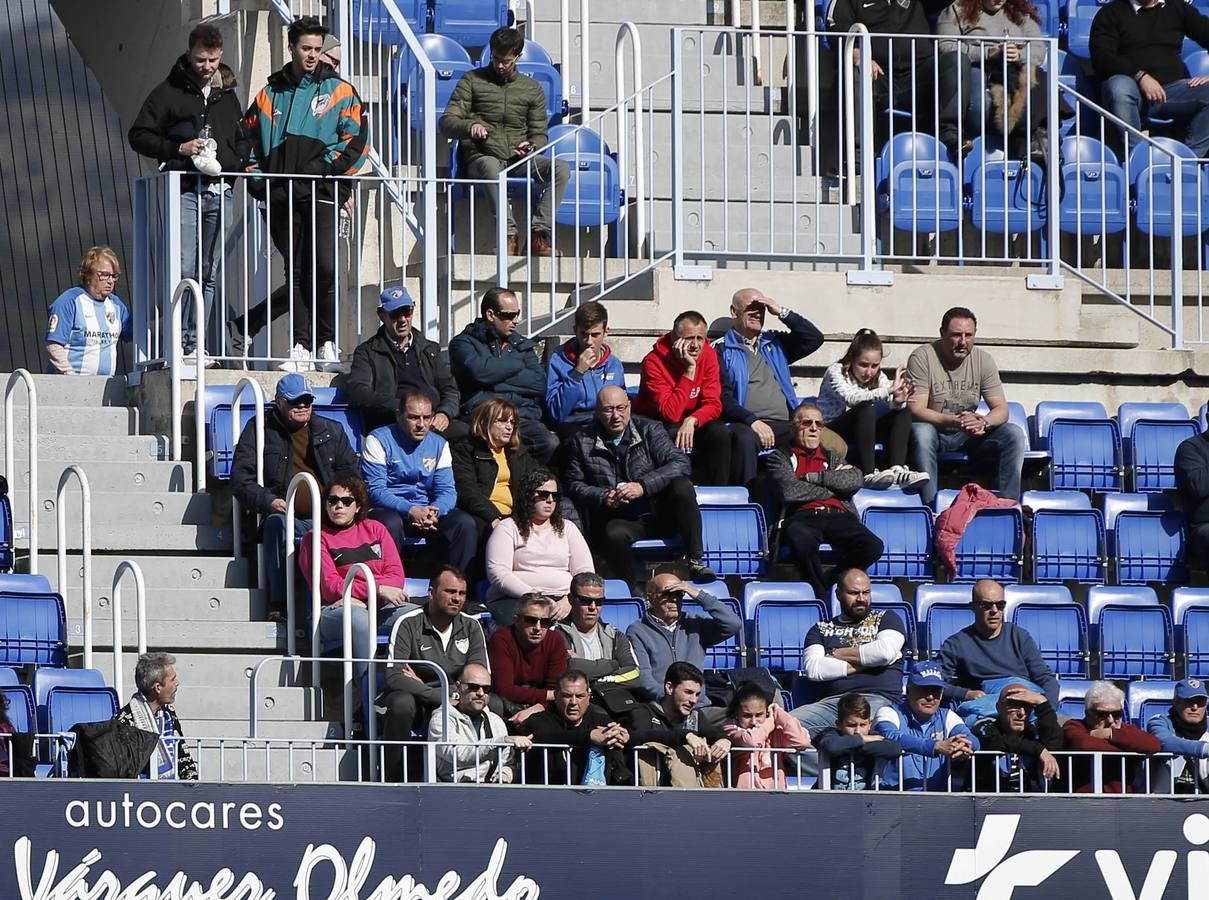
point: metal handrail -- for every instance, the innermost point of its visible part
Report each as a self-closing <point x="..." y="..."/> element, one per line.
<point x="308" y="480"/>
<point x="585" y="53"/>
<point x="236" y="517"/>
<point x="10" y="454"/>
<point x="629" y="29"/>
<point x="140" y="621"/>
<point x="346" y="631"/>
<point x="86" y="545"/>
<point x="199" y="355"/>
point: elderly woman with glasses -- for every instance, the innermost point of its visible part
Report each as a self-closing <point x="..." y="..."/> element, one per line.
<point x="534" y="551"/>
<point x="348" y="537"/>
<point x="1103" y="730"/>
<point x="87" y="321"/>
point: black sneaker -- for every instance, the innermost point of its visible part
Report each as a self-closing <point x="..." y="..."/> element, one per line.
<point x="698" y="570"/>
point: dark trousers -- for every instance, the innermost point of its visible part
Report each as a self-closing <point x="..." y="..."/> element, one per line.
<point x="746" y="448"/>
<point x="539" y="440"/>
<point x="671" y="513"/>
<point x="862" y="428"/>
<point x="711" y="451"/>
<point x="854" y="544"/>
<point x="454" y="542"/>
<point x="304" y="233"/>
<point x="404" y="712"/>
<point x="1198" y="545"/>
<point x="908" y="92"/>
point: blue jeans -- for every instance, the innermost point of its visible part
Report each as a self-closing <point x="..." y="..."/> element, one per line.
<point x="1124" y="100"/>
<point x="210" y="212"/>
<point x="272" y="535"/>
<point x="331" y="628"/>
<point x="1006" y="444"/>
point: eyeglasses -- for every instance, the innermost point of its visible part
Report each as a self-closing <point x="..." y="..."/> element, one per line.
<point x="547" y="495"/>
<point x="618" y="409"/>
<point x="810" y="423"/>
<point x="334" y="500"/>
<point x="508" y="316"/>
<point x="543" y="621"/>
<point x="988" y="605"/>
<point x="589" y="601"/>
<point x="403" y="312"/>
<point x="470" y="687"/>
<point x="305" y="400"/>
<point x="108" y="276"/>
<point x="671" y="594"/>
<point x="1108" y="713"/>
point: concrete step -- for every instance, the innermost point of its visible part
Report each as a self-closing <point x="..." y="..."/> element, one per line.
<point x="259" y="637"/>
<point x="736" y="227"/>
<point x="91" y="448"/>
<point x="160" y="571"/>
<point x="131" y="536"/>
<point x="74" y="390"/>
<point x="200" y="670"/>
<point x="307" y="732"/>
<point x="94" y="420"/>
<point x="641" y="12"/>
<point x="114" y="511"/>
<point x="180" y="605"/>
<point x="129" y="478"/>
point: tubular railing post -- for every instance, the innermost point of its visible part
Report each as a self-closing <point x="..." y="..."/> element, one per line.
<point x="631" y="30"/>
<point x="677" y="150"/>
<point x="177" y="360"/>
<point x="10" y="455"/>
<point x="312" y="486"/>
<point x="86" y="545"/>
<point x="585" y="61"/>
<point x="564" y="45"/>
<point x="140" y="601"/>
<point x="346" y="630"/>
<point x="1177" y="254"/>
<point x="140" y="273"/>
<point x="258" y="426"/>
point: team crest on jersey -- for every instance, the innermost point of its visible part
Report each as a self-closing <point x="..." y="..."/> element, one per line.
<point x="320" y="104"/>
<point x="462" y="644"/>
<point x="53" y="323"/>
<point x="111" y="316"/>
<point x="428" y="463"/>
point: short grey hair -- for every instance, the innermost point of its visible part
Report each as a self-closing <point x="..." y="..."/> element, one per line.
<point x="1103" y="692"/>
<point x="540" y="602"/>
<point x="150" y="670"/>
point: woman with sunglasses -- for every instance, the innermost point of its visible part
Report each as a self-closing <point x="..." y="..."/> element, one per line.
<point x="535" y="551"/>
<point x="88" y="320"/>
<point x="348" y="538"/>
<point x="490" y="464"/>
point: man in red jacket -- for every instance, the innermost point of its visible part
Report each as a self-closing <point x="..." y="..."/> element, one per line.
<point x="682" y="387"/>
<point x="527" y="659"/>
<point x="1102" y="730"/>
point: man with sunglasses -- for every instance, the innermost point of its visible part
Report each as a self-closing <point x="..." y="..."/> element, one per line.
<point x="1103" y="730"/>
<point x="398" y="358"/>
<point x="817" y="485"/>
<point x="489" y="359"/>
<point x="983" y="657"/>
<point x="1181" y="730"/>
<point x="527" y="659"/>
<point x="478" y="748"/>
<point x="596" y="648"/>
<point x="295" y="440"/>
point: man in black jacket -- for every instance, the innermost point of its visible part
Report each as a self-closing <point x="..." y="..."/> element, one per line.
<point x="631" y="483"/>
<point x="398" y="358"/>
<point x="194" y="105"/>
<point x="489" y="359"/>
<point x="687" y="742"/>
<point x="1135" y="48"/>
<point x="295" y="440"/>
<point x="1192" y="480"/>
<point x="574" y="720"/>
<point x="1025" y="746"/>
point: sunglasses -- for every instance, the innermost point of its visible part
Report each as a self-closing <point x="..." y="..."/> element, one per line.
<point x="810" y="423"/>
<point x="1108" y="713"/>
<point x="508" y="316"/>
<point x="403" y="312"/>
<point x="589" y="601"/>
<point x="987" y="605"/>
<point x="333" y="500"/>
<point x="306" y="400"/>
<point x="547" y="495"/>
<point x="471" y="687"/>
<point x="543" y="621"/>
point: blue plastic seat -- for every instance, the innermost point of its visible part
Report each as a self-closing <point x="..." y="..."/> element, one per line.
<point x="68" y="705"/>
<point x="1131" y="631"/>
<point x="1115" y="504"/>
<point x="372" y="24"/>
<point x="450" y="62"/>
<point x="727" y="655"/>
<point x="332" y="403"/>
<point x="21" y="712"/>
<point x="1151" y="174"/>
<point x="19" y="583"/>
<point x="906" y="536"/>
<point x="1070" y="696"/>
<point x="1084" y="445"/>
<point x="33" y="630"/>
<point x="735" y="539"/>
<point x="992" y="546"/>
<point x="1190" y="613"/>
<point x="218" y="434"/>
<point x="780" y="632"/>
<point x="1005" y="196"/>
<point x="622" y="613"/>
<point x="918" y="185"/>
<point x="1095" y="199"/>
<point x="1079" y="15"/>
<point x="1197" y="62"/>
<point x="595" y="193"/>
<point x="894" y="498"/>
<point x="1150" y="548"/>
<point x="1069" y="545"/>
<point x="756" y="592"/>
<point x="45" y="680"/>
<point x="617" y="589"/>
<point x="1056" y="623"/>
<point x="537" y="63"/>
<point x="721" y="495"/>
<point x="1050" y="500"/>
<point x="469" y="22"/>
<point x="942" y="610"/>
<point x="1144" y="699"/>
<point x="1150" y="434"/>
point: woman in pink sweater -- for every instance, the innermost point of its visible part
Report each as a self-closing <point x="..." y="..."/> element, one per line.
<point x="757" y="725"/>
<point x="348" y="538"/>
<point x="534" y="551"/>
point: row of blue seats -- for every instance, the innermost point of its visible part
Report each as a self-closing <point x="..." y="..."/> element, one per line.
<point x="469" y="22"/>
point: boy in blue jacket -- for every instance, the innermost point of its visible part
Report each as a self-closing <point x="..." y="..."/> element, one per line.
<point x="579" y="369"/>
<point x="933" y="739"/>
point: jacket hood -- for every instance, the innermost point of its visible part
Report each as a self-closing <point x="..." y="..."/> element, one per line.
<point x="570" y="349"/>
<point x="181" y="76"/>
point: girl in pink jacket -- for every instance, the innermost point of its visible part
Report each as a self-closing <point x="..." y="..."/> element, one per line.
<point x="755" y="723"/>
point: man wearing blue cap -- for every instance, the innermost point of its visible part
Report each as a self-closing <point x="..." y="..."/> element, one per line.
<point x="398" y="359"/>
<point x="295" y="440"/>
<point x="1181" y="730"/>
<point x="932" y="738"/>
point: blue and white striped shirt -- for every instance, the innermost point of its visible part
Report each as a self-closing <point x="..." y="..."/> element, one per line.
<point x="90" y="330"/>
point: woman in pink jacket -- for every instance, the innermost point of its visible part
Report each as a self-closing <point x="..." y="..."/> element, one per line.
<point x="757" y="726"/>
<point x="349" y="537"/>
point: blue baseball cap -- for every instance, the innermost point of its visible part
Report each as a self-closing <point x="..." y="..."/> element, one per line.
<point x="926" y="676"/>
<point x="293" y="386"/>
<point x="1189" y="688"/>
<point x="395" y="298"/>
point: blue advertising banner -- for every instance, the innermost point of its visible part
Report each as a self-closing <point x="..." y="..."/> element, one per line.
<point x="141" y="841"/>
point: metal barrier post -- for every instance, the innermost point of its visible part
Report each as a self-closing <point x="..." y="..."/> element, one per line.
<point x="10" y="455"/>
<point x="680" y="269"/>
<point x="346" y="628"/>
<point x="258" y="420"/>
<point x="86" y="542"/>
<point x="177" y="357"/>
<point x="866" y="274"/>
<point x="140" y="602"/>
<point x="1177" y="254"/>
<point x="1052" y="279"/>
<point x="308" y="480"/>
<point x="631" y="30"/>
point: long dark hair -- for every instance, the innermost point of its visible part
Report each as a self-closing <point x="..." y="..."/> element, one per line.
<point x="970" y="11"/>
<point x="522" y="512"/>
<point x="748" y="690"/>
<point x="864" y="340"/>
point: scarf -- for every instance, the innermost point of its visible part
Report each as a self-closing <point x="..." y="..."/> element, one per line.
<point x="1184" y="730"/>
<point x="163" y="759"/>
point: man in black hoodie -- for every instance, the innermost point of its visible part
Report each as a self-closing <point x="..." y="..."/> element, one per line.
<point x="196" y="103"/>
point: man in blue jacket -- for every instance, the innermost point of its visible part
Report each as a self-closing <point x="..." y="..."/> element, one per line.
<point x="1181" y="730"/>
<point x="666" y="634"/>
<point x="933" y="738"/>
<point x="579" y="369"/>
<point x="758" y="396"/>
<point x="409" y="473"/>
<point x="489" y="359"/>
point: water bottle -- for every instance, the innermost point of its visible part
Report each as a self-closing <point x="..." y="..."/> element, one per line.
<point x="594" y="774"/>
<point x="344" y="228"/>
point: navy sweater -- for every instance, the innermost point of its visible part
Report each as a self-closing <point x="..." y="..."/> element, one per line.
<point x="968" y="660"/>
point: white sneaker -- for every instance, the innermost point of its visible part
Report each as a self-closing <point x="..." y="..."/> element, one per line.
<point x="910" y="482"/>
<point x="300" y="360"/>
<point x="329" y="358"/>
<point x="880" y="479"/>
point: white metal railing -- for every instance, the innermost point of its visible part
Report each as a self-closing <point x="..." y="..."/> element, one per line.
<point x="349" y="652"/>
<point x="140" y="620"/>
<point x="191" y="287"/>
<point x="585" y="54"/>
<point x="77" y="473"/>
<point x="629" y="31"/>
<point x="757" y="21"/>
<point x="10" y="455"/>
<point x="298" y="482"/>
<point x="258" y="403"/>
